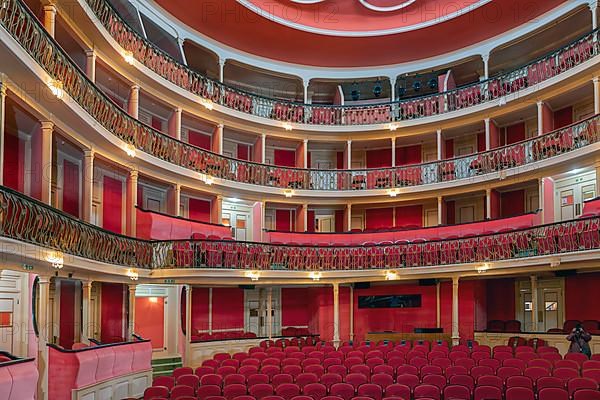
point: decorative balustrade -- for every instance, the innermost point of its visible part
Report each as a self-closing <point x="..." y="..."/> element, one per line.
<point x="28" y="220"/>
<point x="16" y="18"/>
<point x="491" y="89"/>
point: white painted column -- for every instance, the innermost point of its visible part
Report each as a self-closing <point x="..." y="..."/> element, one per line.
<point x="351" y="313"/>
<point x="46" y="161"/>
<point x="270" y="312"/>
<point x="45" y="331"/>
<point x="131" y="324"/>
<point x="596" y="81"/>
<point x="440" y="210"/>
<point x="131" y="202"/>
<point x="336" y="314"/>
<point x="176" y="199"/>
<point x="221" y="69"/>
<point x="440" y="144"/>
<point x="393" y="152"/>
<point x="2" y="128"/>
<point x="349" y="153"/>
<point x="305" y="84"/>
<point x="540" y="117"/>
<point x="133" y="104"/>
<point x="438" y="306"/>
<point x="349" y="216"/>
<point x="87" y="330"/>
<point x="219" y="138"/>
<point x="90" y="64"/>
<point x="305" y="216"/>
<point x="263" y="150"/>
<point x="88" y="184"/>
<point x="488" y="137"/>
<point x="188" y="325"/>
<point x="393" y="88"/>
<point x="534" y="303"/>
<point x="488" y="203"/>
<point x="305" y="154"/>
<point x="210" y="311"/>
<point x="593" y="5"/>
<point x="486" y="65"/>
<point x="455" y="317"/>
<point x="175" y="123"/>
<point x="50" y="19"/>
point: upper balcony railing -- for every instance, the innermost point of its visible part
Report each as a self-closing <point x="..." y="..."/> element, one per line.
<point x="488" y="90"/>
<point x="28" y="220"/>
<point x="24" y="27"/>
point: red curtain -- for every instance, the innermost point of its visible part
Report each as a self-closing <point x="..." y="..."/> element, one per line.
<point x="228" y="308"/>
<point x="379" y="158"/>
<point x="67" y="313"/>
<point x="515" y="133"/>
<point x="512" y="203"/>
<point x="242" y="152"/>
<point x="563" y="117"/>
<point x="409" y="216"/>
<point x="112" y="204"/>
<point x="378" y="218"/>
<point x="199" y="210"/>
<point x="285" y="158"/>
<point x="408" y="155"/>
<point x="199" y="139"/>
<point x="70" y="188"/>
<point x="283" y="220"/>
<point x="111" y="312"/>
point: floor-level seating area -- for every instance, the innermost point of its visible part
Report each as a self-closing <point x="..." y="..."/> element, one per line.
<point x="386" y="370"/>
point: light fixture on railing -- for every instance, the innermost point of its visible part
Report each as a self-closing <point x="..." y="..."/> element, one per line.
<point x="207" y="103"/>
<point x="315" y="276"/>
<point x="287" y="126"/>
<point x="133" y="274"/>
<point x="252" y="275"/>
<point x="483" y="269"/>
<point x="288" y="193"/>
<point x="129" y="150"/>
<point x="56" y="259"/>
<point x="393" y="192"/>
<point x="391" y="275"/>
<point x="56" y="87"/>
<point x="393" y="127"/>
<point x="128" y="57"/>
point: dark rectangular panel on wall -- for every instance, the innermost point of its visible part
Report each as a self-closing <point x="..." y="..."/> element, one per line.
<point x="390" y="301"/>
<point x="199" y="210"/>
<point x="563" y="117"/>
<point x="294" y="311"/>
<point x="111" y="313"/>
<point x="500" y="299"/>
<point x="339" y="221"/>
<point x="199" y="139"/>
<point x="243" y="151"/>
<point x="512" y="203"/>
<point x="515" y="133"/>
<point x="67" y="313"/>
<point x="380" y="158"/>
<point x="579" y="292"/>
<point x="284" y="158"/>
<point x="13" y="162"/>
<point x="408" y="155"/>
<point x="283" y="220"/>
<point x="112" y="204"/>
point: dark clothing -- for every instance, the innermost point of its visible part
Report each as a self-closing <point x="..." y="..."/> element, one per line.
<point x="579" y="342"/>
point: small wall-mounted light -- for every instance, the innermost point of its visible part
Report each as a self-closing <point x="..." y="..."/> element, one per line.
<point x="288" y="193"/>
<point x="133" y="274"/>
<point x="153" y="299"/>
<point x="252" y="275"/>
<point x="391" y="275"/>
<point x="483" y="269"/>
<point x="209" y="180"/>
<point x="393" y="192"/>
<point x="56" y="259"/>
<point x="128" y="57"/>
<point x="393" y="127"/>
<point x="207" y="103"/>
<point x="129" y="150"/>
<point x="287" y="126"/>
<point x="56" y="87"/>
<point x="315" y="276"/>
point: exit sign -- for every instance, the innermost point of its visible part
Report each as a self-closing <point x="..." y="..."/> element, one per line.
<point x="169" y="280"/>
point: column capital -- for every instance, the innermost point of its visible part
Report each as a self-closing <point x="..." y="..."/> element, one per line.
<point x="263" y="135"/>
<point x="132" y="287"/>
<point x="89" y="152"/>
<point x="485" y="57"/>
<point x="44" y="279"/>
<point x="222" y="61"/>
<point x="178" y="110"/>
<point x="349" y="141"/>
<point x="305" y="141"/>
<point x="134" y="173"/>
<point x="393" y="138"/>
<point x="593" y="4"/>
<point x="221" y="126"/>
<point x="47" y="126"/>
<point x="86" y="284"/>
<point x="595" y="79"/>
<point x="540" y="103"/>
<point x="90" y="52"/>
<point x="50" y="7"/>
<point x="3" y="88"/>
<point x="135" y="87"/>
<point x="455" y="280"/>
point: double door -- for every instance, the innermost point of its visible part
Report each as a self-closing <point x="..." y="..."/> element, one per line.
<point x="549" y="303"/>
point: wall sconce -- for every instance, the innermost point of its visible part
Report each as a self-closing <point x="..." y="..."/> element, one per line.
<point x="207" y="103"/>
<point x="56" y="87"/>
<point x="129" y="150"/>
<point x="315" y="276"/>
<point x="252" y="275"/>
<point x="393" y="192"/>
<point x="132" y="274"/>
<point x="391" y="275"/>
<point x="287" y="126"/>
<point x="393" y="127"/>
<point x="128" y="57"/>
<point x="288" y="193"/>
<point x="56" y="259"/>
<point x="483" y="269"/>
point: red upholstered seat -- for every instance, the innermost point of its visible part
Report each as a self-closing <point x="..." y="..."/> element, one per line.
<point x="552" y="393"/>
<point x="487" y="393"/>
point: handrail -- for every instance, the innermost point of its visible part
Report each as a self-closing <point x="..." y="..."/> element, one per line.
<point x="163" y="64"/>
<point x="13" y="359"/>
<point x="24" y="27"/>
<point x="27" y="220"/>
<point x="95" y="347"/>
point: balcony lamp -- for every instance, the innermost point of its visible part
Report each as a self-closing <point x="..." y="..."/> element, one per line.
<point x="393" y="127"/>
<point x="315" y="276"/>
<point x="129" y="150"/>
<point x="483" y="269"/>
<point x="209" y="180"/>
<point x="433" y="84"/>
<point x="56" y="259"/>
<point x="128" y="57"/>
<point x="288" y="193"/>
<point x="287" y="126"/>
<point x="391" y="275"/>
<point x="133" y="274"/>
<point x="207" y="103"/>
<point x="56" y="87"/>
<point x="252" y="275"/>
<point x="393" y="192"/>
<point x="417" y="86"/>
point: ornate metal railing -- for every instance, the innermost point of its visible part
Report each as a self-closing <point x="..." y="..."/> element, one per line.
<point x="30" y="221"/>
<point x="167" y="67"/>
<point x="16" y="18"/>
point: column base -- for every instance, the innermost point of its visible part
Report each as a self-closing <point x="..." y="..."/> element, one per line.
<point x="455" y="340"/>
<point x="336" y="343"/>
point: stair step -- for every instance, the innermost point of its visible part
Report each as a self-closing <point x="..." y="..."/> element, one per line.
<point x="165" y="366"/>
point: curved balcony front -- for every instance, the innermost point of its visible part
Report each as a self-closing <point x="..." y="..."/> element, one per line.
<point x="283" y="113"/>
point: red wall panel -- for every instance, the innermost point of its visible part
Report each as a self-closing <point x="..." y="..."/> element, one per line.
<point x="294" y="311"/>
<point x="199" y="310"/>
<point x="495" y="204"/>
<point x="13" y="162"/>
<point x="466" y="308"/>
<point x="70" y="200"/>
<point x="157" y="123"/>
<point x="284" y="158"/>
<point x="340" y="160"/>
<point x="409" y="216"/>
<point x="67" y="313"/>
<point x="408" y="155"/>
<point x="449" y="148"/>
<point x="579" y="291"/>
<point x="450" y="212"/>
<point x="563" y="117"/>
<point x="515" y="133"/>
<point x="481" y="141"/>
<point x="310" y="221"/>
<point x="111" y="312"/>
<point x="199" y="139"/>
<point x="112" y="204"/>
<point x="339" y="220"/>
<point x="243" y="152"/>
<point x="380" y="158"/>
<point x="500" y="296"/>
<point x="199" y="210"/>
<point x="512" y="203"/>
<point x="284" y="220"/>
<point x="228" y="308"/>
<point x="377" y="218"/>
<point x="150" y="320"/>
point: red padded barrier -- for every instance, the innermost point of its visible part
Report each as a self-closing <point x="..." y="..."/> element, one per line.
<point x="153" y="225"/>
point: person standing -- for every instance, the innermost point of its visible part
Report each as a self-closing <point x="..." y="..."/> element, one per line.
<point x="579" y="339"/>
